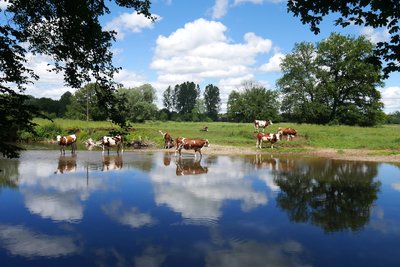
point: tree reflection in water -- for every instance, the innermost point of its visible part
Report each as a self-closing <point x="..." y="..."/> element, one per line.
<point x="333" y="195"/>
<point x="9" y="174"/>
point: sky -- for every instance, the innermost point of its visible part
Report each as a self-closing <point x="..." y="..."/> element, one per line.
<point x="219" y="42"/>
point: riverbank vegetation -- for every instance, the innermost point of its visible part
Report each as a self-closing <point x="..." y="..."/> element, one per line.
<point x="385" y="137"/>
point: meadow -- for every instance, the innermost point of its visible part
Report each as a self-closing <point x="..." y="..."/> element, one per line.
<point x="384" y="137"/>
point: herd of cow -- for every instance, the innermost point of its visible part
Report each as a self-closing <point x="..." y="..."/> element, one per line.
<point x="180" y="143"/>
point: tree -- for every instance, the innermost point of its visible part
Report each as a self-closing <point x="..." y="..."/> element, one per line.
<point x="137" y="104"/>
<point x="70" y="33"/>
<point x="64" y="101"/>
<point x="333" y="83"/>
<point x="84" y="106"/>
<point x="254" y="102"/>
<point x="374" y="13"/>
<point x="212" y="101"/>
<point x="186" y="97"/>
<point x="169" y="99"/>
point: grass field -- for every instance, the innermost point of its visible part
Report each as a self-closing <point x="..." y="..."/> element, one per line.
<point x="386" y="137"/>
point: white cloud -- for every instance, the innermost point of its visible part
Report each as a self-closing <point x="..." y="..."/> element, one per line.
<point x="375" y="35"/>
<point x="202" y="51"/>
<point x="391" y="98"/>
<point x="236" y="2"/>
<point x="4" y="4"/>
<point x="220" y="9"/>
<point x="273" y="63"/>
<point x="19" y="240"/>
<point x="129" y="22"/>
<point x="132" y="217"/>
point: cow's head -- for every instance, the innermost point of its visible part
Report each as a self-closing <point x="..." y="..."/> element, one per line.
<point x="58" y="138"/>
<point x="206" y="143"/>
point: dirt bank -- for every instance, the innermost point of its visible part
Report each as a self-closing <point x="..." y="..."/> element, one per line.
<point x="342" y="154"/>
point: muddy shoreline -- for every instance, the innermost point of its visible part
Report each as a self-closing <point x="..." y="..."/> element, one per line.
<point x="339" y="154"/>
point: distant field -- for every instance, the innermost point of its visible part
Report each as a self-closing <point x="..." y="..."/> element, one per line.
<point x="242" y="134"/>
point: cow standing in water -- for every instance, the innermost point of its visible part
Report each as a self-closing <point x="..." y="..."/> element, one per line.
<point x="69" y="140"/>
<point x="261" y="124"/>
<point x="168" y="141"/>
<point x="189" y="143"/>
<point x="116" y="141"/>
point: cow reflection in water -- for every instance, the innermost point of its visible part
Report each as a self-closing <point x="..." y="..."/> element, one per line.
<point x="189" y="166"/>
<point x="167" y="158"/>
<point x="113" y="162"/>
<point x="66" y="164"/>
<point x="261" y="161"/>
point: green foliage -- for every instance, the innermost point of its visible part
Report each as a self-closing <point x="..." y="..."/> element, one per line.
<point x="186" y="95"/>
<point x="48" y="131"/>
<point x="70" y="33"/>
<point x="393" y="118"/>
<point x="254" y="102"/>
<point x="136" y="104"/>
<point x="372" y="13"/>
<point x="212" y="101"/>
<point x="332" y="83"/>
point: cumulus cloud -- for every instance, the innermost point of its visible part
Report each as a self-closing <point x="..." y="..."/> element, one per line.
<point x="19" y="240"/>
<point x="273" y="63"/>
<point x="391" y="98"/>
<point x="132" y="217"/>
<point x="376" y="35"/>
<point x="201" y="51"/>
<point x="129" y="22"/>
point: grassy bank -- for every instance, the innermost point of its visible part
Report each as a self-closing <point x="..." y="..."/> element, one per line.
<point x="236" y="134"/>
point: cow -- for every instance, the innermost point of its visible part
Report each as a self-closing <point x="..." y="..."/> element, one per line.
<point x="267" y="137"/>
<point x="289" y="132"/>
<point x="261" y="124"/>
<point x="69" y="140"/>
<point x="168" y="141"/>
<point x="189" y="167"/>
<point x="108" y="141"/>
<point x="188" y="143"/>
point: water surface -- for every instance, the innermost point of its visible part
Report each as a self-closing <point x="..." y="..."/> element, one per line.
<point x="152" y="209"/>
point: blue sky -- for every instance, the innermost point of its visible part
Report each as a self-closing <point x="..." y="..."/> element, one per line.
<point x="220" y="42"/>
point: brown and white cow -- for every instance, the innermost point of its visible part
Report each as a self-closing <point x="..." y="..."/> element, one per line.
<point x="168" y="141"/>
<point x="116" y="141"/>
<point x="188" y="143"/>
<point x="261" y="124"/>
<point x="267" y="137"/>
<point x="69" y="140"/>
<point x="289" y="132"/>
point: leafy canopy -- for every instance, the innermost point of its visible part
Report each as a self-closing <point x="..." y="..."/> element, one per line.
<point x="70" y="33"/>
<point x="373" y="13"/>
<point x="332" y="82"/>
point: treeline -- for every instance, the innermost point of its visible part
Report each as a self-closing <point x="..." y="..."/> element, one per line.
<point x="331" y="82"/>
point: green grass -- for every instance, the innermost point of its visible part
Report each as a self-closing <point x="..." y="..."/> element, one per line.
<point x="384" y="137"/>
